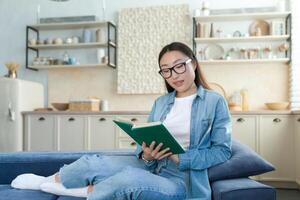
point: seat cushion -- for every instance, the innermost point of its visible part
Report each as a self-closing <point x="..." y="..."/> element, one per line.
<point x="9" y="193"/>
<point x="244" y="162"/>
<point x="242" y="189"/>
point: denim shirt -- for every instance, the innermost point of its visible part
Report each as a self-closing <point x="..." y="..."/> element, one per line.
<point x="210" y="138"/>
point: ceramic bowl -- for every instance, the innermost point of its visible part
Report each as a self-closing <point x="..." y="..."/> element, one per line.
<point x="277" y="105"/>
<point x="60" y="106"/>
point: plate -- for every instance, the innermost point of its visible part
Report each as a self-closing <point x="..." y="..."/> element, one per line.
<point x="214" y="52"/>
<point x="263" y="25"/>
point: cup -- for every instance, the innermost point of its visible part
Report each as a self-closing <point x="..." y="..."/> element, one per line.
<point x="32" y="41"/>
<point x="104" y="105"/>
<point x="87" y="36"/>
<point x="101" y="35"/>
<point x="100" y="55"/>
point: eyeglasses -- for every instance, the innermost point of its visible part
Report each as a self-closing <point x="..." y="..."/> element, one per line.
<point x="179" y="68"/>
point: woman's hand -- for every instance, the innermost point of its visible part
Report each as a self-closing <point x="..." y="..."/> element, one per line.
<point x="174" y="158"/>
<point x="151" y="153"/>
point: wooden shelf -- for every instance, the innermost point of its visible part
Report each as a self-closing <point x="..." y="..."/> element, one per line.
<point x="69" y="66"/>
<point x="244" y="39"/>
<point x="242" y="16"/>
<point x="71" y="46"/>
<point x="74" y="25"/>
<point x="250" y="61"/>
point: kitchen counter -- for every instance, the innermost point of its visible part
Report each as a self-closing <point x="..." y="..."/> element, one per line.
<point x="252" y="112"/>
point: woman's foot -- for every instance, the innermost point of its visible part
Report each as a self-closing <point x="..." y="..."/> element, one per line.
<point x="59" y="189"/>
<point x="30" y="181"/>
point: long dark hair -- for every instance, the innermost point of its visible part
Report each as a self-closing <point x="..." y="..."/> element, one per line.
<point x="183" y="48"/>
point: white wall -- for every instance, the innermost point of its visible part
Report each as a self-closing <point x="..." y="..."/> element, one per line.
<point x="16" y="14"/>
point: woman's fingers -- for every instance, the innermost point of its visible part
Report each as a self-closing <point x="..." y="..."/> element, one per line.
<point x="156" y="150"/>
<point x="144" y="146"/>
<point x="152" y="146"/>
<point x="165" y="155"/>
<point x="162" y="152"/>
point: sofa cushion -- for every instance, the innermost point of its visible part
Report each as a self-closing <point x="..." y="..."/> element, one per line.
<point x="244" y="162"/>
<point x="242" y="189"/>
<point x="8" y="193"/>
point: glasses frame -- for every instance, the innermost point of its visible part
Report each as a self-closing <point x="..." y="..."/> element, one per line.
<point x="173" y="68"/>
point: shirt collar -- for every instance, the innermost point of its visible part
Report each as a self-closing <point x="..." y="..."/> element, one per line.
<point x="200" y="93"/>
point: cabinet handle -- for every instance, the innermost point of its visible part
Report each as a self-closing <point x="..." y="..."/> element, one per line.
<point x="240" y="120"/>
<point x="298" y="120"/>
<point x="134" y="119"/>
<point x="132" y="143"/>
<point x="102" y="119"/>
<point x="276" y="120"/>
<point x="71" y="119"/>
<point x="41" y="119"/>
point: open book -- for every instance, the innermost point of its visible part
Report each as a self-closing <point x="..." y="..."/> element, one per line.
<point x="148" y="132"/>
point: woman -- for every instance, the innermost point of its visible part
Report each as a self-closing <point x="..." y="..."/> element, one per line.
<point x="196" y="116"/>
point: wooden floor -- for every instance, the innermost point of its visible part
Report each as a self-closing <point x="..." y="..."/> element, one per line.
<point x="285" y="194"/>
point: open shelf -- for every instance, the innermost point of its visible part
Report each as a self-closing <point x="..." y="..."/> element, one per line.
<point x="73" y="25"/>
<point x="244" y="39"/>
<point x="70" y="66"/>
<point x="249" y="61"/>
<point x="75" y="46"/>
<point x="243" y="16"/>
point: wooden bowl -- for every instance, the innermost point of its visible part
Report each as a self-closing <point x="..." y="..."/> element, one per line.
<point x="60" y="106"/>
<point x="277" y="105"/>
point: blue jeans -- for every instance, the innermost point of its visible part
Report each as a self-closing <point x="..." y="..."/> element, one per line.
<point x="118" y="178"/>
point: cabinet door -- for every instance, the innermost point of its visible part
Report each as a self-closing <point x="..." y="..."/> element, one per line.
<point x="244" y="130"/>
<point x="101" y="133"/>
<point x="277" y="146"/>
<point x="72" y="133"/>
<point x="40" y="133"/>
<point x="123" y="140"/>
<point x="297" y="143"/>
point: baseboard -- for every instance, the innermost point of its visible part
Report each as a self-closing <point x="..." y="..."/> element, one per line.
<point x="282" y="184"/>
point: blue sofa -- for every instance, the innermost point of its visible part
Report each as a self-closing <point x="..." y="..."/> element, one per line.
<point x="228" y="182"/>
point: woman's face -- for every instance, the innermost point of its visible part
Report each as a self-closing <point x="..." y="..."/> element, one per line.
<point x="183" y="81"/>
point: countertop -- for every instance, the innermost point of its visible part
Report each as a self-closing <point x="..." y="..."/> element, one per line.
<point x="252" y="112"/>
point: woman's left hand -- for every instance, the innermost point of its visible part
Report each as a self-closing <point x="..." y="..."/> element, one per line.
<point x="174" y="158"/>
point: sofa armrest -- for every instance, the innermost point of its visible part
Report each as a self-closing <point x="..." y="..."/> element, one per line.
<point x="41" y="163"/>
<point x="242" y="188"/>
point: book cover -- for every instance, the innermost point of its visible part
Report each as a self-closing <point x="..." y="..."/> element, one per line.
<point x="148" y="132"/>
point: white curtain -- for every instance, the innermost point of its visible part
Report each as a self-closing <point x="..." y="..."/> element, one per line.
<point x="295" y="64"/>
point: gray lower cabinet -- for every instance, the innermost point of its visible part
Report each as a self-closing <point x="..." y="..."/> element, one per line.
<point x="101" y="133"/>
<point x="72" y="132"/>
<point x="40" y="134"/>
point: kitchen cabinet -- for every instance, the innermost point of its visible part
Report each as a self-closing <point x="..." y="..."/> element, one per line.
<point x="101" y="134"/>
<point x="297" y="144"/>
<point x="244" y="129"/>
<point x="71" y="133"/>
<point x="123" y="140"/>
<point x="40" y="133"/>
<point x="276" y="144"/>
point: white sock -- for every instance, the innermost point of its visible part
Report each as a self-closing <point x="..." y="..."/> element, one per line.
<point x="30" y="181"/>
<point x="59" y="189"/>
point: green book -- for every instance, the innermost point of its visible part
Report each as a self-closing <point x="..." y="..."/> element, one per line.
<point x="148" y="132"/>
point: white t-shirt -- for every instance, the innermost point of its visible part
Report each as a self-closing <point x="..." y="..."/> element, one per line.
<point x="178" y="120"/>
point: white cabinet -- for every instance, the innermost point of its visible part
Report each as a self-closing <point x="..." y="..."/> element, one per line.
<point x="276" y="144"/>
<point x="101" y="134"/>
<point x="244" y="129"/>
<point x="123" y="140"/>
<point x="39" y="133"/>
<point x="71" y="133"/>
<point x="297" y="143"/>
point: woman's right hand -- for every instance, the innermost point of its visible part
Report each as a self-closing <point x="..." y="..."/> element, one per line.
<point x="151" y="153"/>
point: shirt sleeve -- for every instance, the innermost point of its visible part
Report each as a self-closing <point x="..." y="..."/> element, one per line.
<point x="220" y="149"/>
<point x="138" y="151"/>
